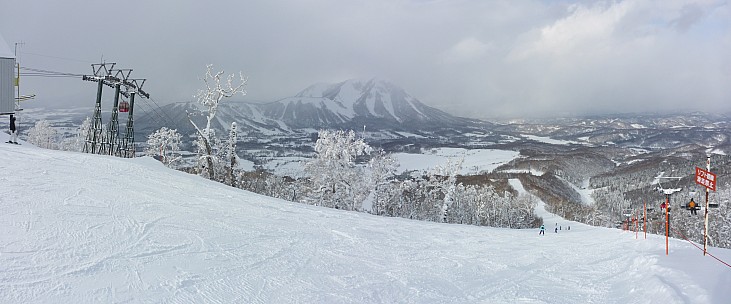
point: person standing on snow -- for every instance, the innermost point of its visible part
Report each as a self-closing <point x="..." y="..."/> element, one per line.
<point x="13" y="131"/>
<point x="556" y="230"/>
<point x="543" y="230"/>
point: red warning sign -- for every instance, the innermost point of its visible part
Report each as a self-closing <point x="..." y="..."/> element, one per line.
<point x="705" y="178"/>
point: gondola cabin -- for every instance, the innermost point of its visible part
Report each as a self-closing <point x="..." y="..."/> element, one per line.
<point x="124" y="107"/>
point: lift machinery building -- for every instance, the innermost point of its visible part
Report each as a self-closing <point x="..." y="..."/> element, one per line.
<point x="7" y="79"/>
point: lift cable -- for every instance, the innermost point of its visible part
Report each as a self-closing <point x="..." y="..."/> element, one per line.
<point x="46" y="73"/>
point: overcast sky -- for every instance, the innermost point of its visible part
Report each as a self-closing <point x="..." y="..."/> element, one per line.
<point x="470" y="58"/>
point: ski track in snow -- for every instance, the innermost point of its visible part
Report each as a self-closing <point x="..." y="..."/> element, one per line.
<point x="73" y="234"/>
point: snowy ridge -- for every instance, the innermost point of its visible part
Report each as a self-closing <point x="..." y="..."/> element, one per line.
<point x="373" y="95"/>
<point x="352" y="104"/>
<point x="162" y="236"/>
<point x="328" y="104"/>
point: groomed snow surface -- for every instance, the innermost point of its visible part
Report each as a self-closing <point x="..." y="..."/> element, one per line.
<point x="79" y="228"/>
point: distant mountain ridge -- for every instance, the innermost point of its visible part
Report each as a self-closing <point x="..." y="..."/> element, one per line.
<point x="323" y="105"/>
<point x="351" y="104"/>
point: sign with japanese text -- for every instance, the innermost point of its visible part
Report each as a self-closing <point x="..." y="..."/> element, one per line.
<point x="705" y="178"/>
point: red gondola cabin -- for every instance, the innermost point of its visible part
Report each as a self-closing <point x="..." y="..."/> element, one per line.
<point x="124" y="106"/>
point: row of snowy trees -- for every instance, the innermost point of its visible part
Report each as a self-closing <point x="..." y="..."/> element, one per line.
<point x="336" y="179"/>
<point x="43" y="135"/>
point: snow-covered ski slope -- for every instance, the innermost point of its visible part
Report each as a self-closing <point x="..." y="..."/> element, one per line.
<point x="79" y="228"/>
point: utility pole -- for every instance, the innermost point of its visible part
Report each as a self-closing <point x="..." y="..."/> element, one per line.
<point x="17" y="79"/>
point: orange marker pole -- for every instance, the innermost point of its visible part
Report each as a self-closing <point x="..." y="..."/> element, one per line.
<point x="637" y="222"/>
<point x="644" y="218"/>
<point x="667" y="222"/>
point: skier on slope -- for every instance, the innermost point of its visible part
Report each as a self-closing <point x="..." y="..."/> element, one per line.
<point x="543" y="230"/>
<point x="13" y="131"/>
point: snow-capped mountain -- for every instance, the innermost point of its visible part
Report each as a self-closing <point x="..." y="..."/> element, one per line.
<point x="352" y="104"/>
<point x="355" y="102"/>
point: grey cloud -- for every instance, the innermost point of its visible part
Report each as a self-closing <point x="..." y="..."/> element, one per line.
<point x="472" y="58"/>
<point x="689" y="15"/>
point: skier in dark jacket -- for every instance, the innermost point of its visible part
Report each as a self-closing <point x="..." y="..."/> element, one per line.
<point x="13" y="131"/>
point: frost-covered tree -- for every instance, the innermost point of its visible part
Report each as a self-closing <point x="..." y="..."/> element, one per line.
<point x="268" y="184"/>
<point x="611" y="203"/>
<point x="76" y="143"/>
<point x="719" y="232"/>
<point x="164" y="144"/>
<point x="336" y="181"/>
<point x="42" y="135"/>
<point x="382" y="169"/>
<point x="216" y="89"/>
<point x="231" y="155"/>
<point x="446" y="179"/>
